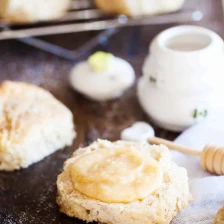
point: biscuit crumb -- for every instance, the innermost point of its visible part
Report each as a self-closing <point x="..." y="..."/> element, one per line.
<point x="219" y="218"/>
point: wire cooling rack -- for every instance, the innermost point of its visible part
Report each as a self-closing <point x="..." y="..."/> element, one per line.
<point x="83" y="16"/>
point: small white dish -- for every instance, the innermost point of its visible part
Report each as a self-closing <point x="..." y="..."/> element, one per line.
<point x="139" y="131"/>
<point x="102" y="77"/>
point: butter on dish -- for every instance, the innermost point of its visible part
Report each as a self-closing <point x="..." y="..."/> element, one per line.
<point x="102" y="77"/>
<point x="122" y="182"/>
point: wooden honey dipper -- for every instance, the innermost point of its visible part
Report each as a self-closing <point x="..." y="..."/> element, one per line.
<point x="211" y="157"/>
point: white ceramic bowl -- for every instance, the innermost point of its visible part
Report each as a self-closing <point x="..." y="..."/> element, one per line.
<point x="102" y="86"/>
<point x="183" y="77"/>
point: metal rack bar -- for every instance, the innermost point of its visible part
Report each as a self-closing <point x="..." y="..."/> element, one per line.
<point x="69" y="54"/>
<point x="120" y="21"/>
<point x="84" y="11"/>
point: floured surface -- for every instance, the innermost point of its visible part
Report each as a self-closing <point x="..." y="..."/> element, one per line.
<point x="29" y="196"/>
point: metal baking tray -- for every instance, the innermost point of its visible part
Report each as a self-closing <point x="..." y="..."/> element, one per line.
<point x="84" y="16"/>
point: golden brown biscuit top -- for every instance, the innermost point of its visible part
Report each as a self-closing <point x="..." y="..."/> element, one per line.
<point x="23" y="108"/>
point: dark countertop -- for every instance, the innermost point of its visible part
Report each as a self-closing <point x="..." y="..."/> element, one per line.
<point x="28" y="196"/>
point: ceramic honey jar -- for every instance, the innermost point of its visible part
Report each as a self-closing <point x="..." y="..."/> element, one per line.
<point x="183" y="77"/>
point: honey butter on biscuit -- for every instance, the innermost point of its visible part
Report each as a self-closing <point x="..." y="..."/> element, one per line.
<point x="122" y="182"/>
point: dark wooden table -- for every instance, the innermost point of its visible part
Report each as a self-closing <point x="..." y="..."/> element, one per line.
<point x="28" y="196"/>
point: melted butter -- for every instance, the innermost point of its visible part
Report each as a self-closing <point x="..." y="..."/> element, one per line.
<point x="119" y="175"/>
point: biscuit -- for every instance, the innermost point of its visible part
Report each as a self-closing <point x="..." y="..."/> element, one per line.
<point x="139" y="7"/>
<point x="159" y="207"/>
<point x="33" y="124"/>
<point x="23" y="11"/>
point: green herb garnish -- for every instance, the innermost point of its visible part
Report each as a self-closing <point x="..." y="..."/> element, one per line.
<point x="152" y="79"/>
<point x="196" y="113"/>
